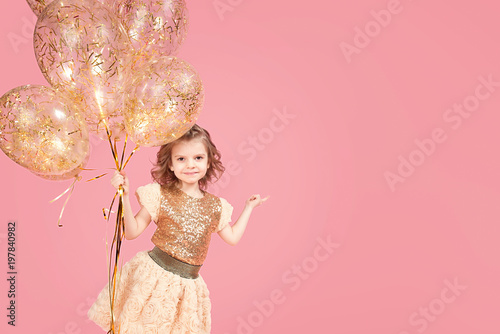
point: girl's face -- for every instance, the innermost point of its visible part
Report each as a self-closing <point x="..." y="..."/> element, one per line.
<point x="189" y="161"/>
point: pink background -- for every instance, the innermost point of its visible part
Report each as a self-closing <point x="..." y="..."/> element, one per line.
<point x="353" y="118"/>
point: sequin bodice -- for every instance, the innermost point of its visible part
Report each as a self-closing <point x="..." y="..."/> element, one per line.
<point x="185" y="224"/>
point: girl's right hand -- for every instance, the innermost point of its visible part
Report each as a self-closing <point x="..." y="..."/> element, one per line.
<point x="120" y="179"/>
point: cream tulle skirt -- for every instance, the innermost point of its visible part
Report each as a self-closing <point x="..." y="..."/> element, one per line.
<point x="153" y="300"/>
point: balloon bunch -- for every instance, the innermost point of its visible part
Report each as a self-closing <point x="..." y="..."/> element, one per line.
<point x="113" y="73"/>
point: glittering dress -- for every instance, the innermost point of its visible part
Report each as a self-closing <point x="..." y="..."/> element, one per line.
<point x="151" y="299"/>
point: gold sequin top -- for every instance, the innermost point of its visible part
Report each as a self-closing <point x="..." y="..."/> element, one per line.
<point x="184" y="224"/>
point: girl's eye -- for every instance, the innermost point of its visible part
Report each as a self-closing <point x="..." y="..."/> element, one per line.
<point x="199" y="158"/>
<point x="180" y="159"/>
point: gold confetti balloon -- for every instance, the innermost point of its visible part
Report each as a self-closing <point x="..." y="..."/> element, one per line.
<point x="155" y="27"/>
<point x="81" y="47"/>
<point x="37" y="6"/>
<point x="41" y="133"/>
<point x="164" y="101"/>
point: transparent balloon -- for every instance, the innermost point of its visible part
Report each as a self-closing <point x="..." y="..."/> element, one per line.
<point x="81" y="47"/>
<point x="37" y="6"/>
<point x="110" y="126"/>
<point x="164" y="101"/>
<point x="155" y="27"/>
<point x="41" y="133"/>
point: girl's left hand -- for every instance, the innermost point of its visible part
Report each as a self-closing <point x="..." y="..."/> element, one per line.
<point x="255" y="201"/>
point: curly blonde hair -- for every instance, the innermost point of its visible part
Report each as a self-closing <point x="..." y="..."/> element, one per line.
<point x="161" y="172"/>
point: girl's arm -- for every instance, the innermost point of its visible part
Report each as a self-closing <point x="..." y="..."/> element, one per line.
<point x="232" y="234"/>
<point x="134" y="225"/>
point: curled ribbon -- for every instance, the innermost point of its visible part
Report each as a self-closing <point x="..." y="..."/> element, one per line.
<point x="70" y="189"/>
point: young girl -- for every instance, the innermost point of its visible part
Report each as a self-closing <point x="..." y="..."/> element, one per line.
<point x="160" y="291"/>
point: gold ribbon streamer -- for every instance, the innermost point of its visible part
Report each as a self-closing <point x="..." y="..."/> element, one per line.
<point x="131" y="154"/>
<point x="124" y="147"/>
<point x="116" y="245"/>
<point x="119" y="233"/>
<point x="97" y="177"/>
<point x="104" y="212"/>
<point x="113" y="147"/>
<point x="70" y="189"/>
<point x="110" y="208"/>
